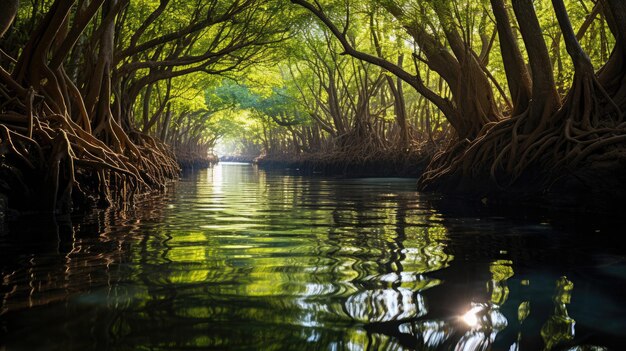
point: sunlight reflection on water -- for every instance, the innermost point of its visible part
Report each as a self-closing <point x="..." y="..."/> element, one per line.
<point x="237" y="258"/>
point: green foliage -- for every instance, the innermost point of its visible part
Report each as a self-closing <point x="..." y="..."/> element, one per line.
<point x="269" y="70"/>
<point x="298" y="85"/>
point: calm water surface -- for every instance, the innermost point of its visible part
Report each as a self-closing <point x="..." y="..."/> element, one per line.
<point x="234" y="258"/>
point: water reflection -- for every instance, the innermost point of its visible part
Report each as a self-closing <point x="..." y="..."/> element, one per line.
<point x="385" y="305"/>
<point x="559" y="328"/>
<point x="236" y="258"/>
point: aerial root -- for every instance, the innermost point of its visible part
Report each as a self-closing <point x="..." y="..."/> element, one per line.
<point x="46" y="154"/>
<point x="589" y="123"/>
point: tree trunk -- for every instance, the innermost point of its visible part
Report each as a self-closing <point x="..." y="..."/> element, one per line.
<point x="613" y="73"/>
<point x="166" y="123"/>
<point x="545" y="99"/>
<point x="399" y="107"/>
<point x="514" y="66"/>
<point x="145" y="113"/>
<point x="8" y="11"/>
<point x="579" y="57"/>
<point x="472" y="93"/>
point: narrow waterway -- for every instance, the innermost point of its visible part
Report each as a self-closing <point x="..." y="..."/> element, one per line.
<point x="235" y="258"/>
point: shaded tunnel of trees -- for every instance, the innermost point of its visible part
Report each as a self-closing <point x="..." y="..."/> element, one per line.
<point x="101" y="100"/>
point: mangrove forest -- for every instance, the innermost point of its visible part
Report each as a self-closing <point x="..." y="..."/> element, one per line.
<point x="103" y="100"/>
<point x="312" y="174"/>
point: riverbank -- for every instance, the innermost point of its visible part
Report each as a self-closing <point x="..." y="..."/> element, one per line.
<point x="389" y="163"/>
<point x="188" y="160"/>
<point x="239" y="158"/>
<point x="596" y="186"/>
<point x="597" y="190"/>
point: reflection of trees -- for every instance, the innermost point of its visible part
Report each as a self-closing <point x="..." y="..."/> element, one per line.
<point x="384" y="305"/>
<point x="485" y="320"/>
<point x="250" y="260"/>
<point x="67" y="278"/>
<point x="395" y="247"/>
<point x="52" y="260"/>
<point x="466" y="312"/>
<point x="479" y="327"/>
<point x="281" y="263"/>
<point x="559" y="328"/>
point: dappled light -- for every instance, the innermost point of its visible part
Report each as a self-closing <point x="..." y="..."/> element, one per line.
<point x="472" y="98"/>
<point x="312" y="175"/>
<point x="236" y="257"/>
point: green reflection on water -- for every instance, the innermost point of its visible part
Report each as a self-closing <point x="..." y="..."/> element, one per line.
<point x="559" y="328"/>
<point x="284" y="255"/>
<point x="243" y="259"/>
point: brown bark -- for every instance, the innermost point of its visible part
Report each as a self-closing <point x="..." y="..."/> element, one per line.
<point x="514" y="66"/>
<point x="32" y="66"/>
<point x="165" y="124"/>
<point x="8" y="11"/>
<point x="145" y="113"/>
<point x="439" y="57"/>
<point x="472" y="94"/>
<point x="58" y="121"/>
<point x="395" y="88"/>
<point x="581" y="106"/>
<point x="613" y="74"/>
<point x="80" y="23"/>
<point x="576" y="52"/>
<point x="545" y="98"/>
<point x="99" y="94"/>
<point x="615" y="10"/>
<point x="400" y="107"/>
<point x="446" y="107"/>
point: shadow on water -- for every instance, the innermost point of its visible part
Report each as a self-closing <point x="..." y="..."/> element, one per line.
<point x="237" y="258"/>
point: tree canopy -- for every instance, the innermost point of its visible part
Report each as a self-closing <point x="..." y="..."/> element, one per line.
<point x="114" y="90"/>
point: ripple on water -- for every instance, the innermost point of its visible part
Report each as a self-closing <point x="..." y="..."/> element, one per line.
<point x="236" y="258"/>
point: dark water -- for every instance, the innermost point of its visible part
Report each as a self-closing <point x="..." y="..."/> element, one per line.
<point x="233" y="258"/>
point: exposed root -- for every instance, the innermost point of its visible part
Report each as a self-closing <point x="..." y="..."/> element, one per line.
<point x="357" y="154"/>
<point x="50" y="163"/>
<point x="590" y="123"/>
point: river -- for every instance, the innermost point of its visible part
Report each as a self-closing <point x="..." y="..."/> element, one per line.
<point x="236" y="258"/>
